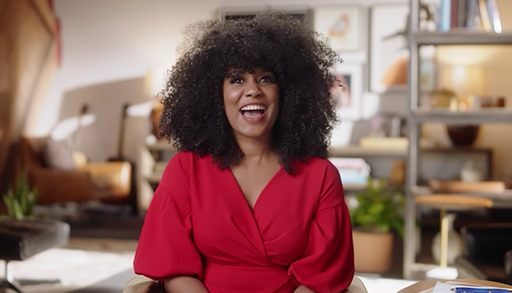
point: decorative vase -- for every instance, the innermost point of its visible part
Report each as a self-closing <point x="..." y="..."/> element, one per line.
<point x="455" y="245"/>
<point x="463" y="135"/>
<point x="471" y="173"/>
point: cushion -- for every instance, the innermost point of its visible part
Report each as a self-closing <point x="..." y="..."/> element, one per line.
<point x="58" y="155"/>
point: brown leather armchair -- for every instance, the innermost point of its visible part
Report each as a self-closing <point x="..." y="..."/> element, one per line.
<point x="108" y="181"/>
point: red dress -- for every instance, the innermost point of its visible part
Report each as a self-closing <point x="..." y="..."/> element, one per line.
<point x="199" y="223"/>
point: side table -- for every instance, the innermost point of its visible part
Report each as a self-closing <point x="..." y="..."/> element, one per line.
<point x="445" y="203"/>
<point x="20" y="240"/>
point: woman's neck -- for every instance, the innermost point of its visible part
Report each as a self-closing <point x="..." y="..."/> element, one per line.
<point x="256" y="151"/>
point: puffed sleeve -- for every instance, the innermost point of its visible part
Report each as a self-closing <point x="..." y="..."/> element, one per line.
<point x="327" y="265"/>
<point x="166" y="247"/>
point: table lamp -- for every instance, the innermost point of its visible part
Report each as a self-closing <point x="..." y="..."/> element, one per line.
<point x="467" y="82"/>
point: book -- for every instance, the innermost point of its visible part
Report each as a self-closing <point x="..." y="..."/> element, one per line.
<point x="473" y="20"/>
<point x="484" y="15"/>
<point x="445" y="15"/>
<point x="494" y="16"/>
<point x="461" y="13"/>
<point x="384" y="142"/>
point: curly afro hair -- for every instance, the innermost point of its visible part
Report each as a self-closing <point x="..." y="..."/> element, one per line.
<point x="193" y="116"/>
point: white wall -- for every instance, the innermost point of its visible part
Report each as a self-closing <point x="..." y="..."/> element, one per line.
<point x="104" y="42"/>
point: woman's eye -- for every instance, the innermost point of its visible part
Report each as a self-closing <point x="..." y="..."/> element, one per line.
<point x="236" y="80"/>
<point x="267" y="79"/>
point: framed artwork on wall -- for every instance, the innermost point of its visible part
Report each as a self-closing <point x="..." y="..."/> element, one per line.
<point x="304" y="13"/>
<point x="347" y="90"/>
<point x="341" y="24"/>
<point x="389" y="48"/>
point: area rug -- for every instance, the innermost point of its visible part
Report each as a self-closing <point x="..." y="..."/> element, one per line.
<point x="81" y="263"/>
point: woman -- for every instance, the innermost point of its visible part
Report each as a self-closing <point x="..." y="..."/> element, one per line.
<point x="250" y="203"/>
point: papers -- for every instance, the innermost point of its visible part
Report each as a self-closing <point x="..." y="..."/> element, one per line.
<point x="442" y="288"/>
<point x="451" y="287"/>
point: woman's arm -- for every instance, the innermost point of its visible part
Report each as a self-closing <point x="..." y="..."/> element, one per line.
<point x="185" y="284"/>
<point x="303" y="289"/>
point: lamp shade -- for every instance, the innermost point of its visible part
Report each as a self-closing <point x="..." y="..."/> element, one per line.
<point x="464" y="80"/>
<point x="155" y="81"/>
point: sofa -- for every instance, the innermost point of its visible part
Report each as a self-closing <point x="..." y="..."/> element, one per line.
<point x="78" y="181"/>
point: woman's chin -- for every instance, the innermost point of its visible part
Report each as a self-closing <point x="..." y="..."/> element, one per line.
<point x="254" y="134"/>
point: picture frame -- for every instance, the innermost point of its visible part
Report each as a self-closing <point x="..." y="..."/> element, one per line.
<point x="304" y="13"/>
<point x="389" y="48"/>
<point x="341" y="25"/>
<point x="347" y="90"/>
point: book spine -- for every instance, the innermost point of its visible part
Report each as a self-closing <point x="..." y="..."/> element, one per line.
<point x="486" y="22"/>
<point x="453" y="13"/>
<point x="445" y="13"/>
<point x="494" y="15"/>
<point x="473" y="20"/>
<point x="461" y="13"/>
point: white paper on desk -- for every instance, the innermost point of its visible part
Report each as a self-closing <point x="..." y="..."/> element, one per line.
<point x="442" y="288"/>
<point x="446" y="287"/>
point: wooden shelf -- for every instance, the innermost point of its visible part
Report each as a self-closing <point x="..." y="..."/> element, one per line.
<point x="353" y="186"/>
<point x="357" y="151"/>
<point x="496" y="115"/>
<point x="500" y="199"/>
<point x="160" y="146"/>
<point x="461" y="37"/>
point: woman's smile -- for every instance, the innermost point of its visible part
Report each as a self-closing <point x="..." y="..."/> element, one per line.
<point x="253" y="112"/>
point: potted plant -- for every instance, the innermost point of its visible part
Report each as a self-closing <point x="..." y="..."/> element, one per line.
<point x="378" y="212"/>
<point x="21" y="234"/>
<point x="20" y="200"/>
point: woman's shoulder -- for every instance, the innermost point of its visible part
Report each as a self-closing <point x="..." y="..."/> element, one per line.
<point x="184" y="160"/>
<point x="188" y="156"/>
<point x="317" y="164"/>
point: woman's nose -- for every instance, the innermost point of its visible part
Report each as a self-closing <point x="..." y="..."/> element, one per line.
<point x="252" y="88"/>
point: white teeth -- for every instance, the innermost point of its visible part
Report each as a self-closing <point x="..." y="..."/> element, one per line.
<point x="252" y="107"/>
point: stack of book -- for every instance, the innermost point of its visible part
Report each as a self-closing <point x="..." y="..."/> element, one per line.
<point x="480" y="15"/>
<point x="353" y="171"/>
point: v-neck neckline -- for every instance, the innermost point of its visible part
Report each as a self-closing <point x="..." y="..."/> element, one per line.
<point x="263" y="191"/>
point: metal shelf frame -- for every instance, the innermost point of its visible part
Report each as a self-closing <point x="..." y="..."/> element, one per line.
<point x="468" y="117"/>
<point x="417" y="116"/>
<point x="462" y="37"/>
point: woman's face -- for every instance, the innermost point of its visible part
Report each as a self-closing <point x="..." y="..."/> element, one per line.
<point x="251" y="102"/>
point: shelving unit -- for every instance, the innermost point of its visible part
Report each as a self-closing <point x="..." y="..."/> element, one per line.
<point x="417" y="116"/>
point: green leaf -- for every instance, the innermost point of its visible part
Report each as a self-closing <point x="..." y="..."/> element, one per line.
<point x="32" y="200"/>
<point x="18" y="213"/>
<point x="8" y="204"/>
<point x="380" y="207"/>
<point x="20" y="199"/>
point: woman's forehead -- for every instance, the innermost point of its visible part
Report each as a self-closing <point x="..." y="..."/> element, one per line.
<point x="251" y="70"/>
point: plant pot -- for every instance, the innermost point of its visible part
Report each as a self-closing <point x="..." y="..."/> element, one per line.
<point x="372" y="251"/>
